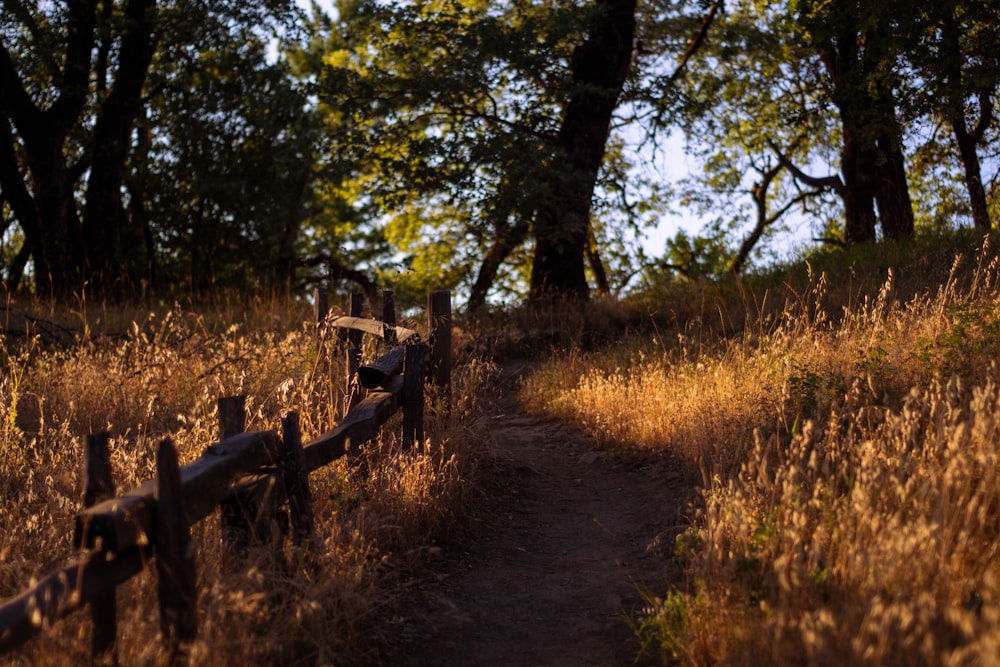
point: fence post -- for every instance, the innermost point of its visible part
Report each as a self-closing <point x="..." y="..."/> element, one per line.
<point x="100" y="486"/>
<point x="235" y="522"/>
<point x="175" y="566"/>
<point x="389" y="317"/>
<point x="296" y="479"/>
<point x="352" y="390"/>
<point x="439" y="314"/>
<point x="232" y="416"/>
<point x="321" y="305"/>
<point x="413" y="394"/>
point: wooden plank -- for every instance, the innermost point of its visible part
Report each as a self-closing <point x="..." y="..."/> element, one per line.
<point x="359" y="426"/>
<point x="65" y="591"/>
<point x="100" y="486"/>
<point x="259" y="497"/>
<point x="175" y="567"/>
<point x="439" y="314"/>
<point x="126" y="521"/>
<point x="373" y="327"/>
<point x="413" y="395"/>
<point x="296" y="478"/>
<point x="378" y="372"/>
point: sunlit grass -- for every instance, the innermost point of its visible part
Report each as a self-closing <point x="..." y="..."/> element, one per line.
<point x="847" y="457"/>
<point x="159" y="375"/>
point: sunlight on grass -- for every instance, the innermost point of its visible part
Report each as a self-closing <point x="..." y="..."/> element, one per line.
<point x="159" y="375"/>
<point x="848" y="464"/>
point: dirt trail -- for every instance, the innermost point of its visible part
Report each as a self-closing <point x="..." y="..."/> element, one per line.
<point x="543" y="572"/>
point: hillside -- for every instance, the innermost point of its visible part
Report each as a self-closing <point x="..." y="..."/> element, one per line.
<point x="797" y="468"/>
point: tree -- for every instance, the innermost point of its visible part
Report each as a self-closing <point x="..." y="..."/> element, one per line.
<point x="96" y="114"/>
<point x="952" y="49"/>
<point x="750" y="107"/>
<point x="782" y="85"/>
<point x="858" y="48"/>
<point x="599" y="68"/>
<point x="224" y="170"/>
<point x="49" y="83"/>
<point x="498" y="114"/>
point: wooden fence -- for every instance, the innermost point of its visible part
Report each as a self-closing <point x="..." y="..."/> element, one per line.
<point x="251" y="477"/>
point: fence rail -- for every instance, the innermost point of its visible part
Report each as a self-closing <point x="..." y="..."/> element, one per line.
<point x="250" y="477"/>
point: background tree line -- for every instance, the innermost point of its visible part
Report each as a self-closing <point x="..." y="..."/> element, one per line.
<point x="155" y="146"/>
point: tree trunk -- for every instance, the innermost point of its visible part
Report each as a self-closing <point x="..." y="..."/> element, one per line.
<point x="562" y="223"/>
<point x="17" y="195"/>
<point x="69" y="252"/>
<point x="859" y="208"/>
<point x="59" y="254"/>
<point x="973" y="175"/>
<point x="859" y="59"/>
<point x="104" y="215"/>
<point x="892" y="193"/>
<point x="505" y="241"/>
<point x="956" y="89"/>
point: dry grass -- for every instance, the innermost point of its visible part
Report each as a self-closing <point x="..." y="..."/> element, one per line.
<point x="849" y="472"/>
<point x="161" y="376"/>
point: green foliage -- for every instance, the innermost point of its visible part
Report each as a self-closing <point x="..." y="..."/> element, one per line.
<point x="226" y="175"/>
<point x="660" y="627"/>
<point x="406" y="140"/>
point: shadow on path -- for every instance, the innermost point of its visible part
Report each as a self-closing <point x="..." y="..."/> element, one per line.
<point x="545" y="571"/>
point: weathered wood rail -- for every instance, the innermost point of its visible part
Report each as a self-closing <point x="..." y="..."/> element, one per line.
<point x="250" y="477"/>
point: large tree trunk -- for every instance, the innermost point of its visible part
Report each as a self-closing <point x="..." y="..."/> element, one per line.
<point x="60" y="253"/>
<point x="15" y="191"/>
<point x="859" y="209"/>
<point x="562" y="223"/>
<point x="56" y="241"/>
<point x="859" y="61"/>
<point x="67" y="252"/>
<point x="104" y="215"/>
<point x="892" y="193"/>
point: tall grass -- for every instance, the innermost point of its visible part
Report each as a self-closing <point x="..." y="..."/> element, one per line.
<point x="847" y="455"/>
<point x="159" y="375"/>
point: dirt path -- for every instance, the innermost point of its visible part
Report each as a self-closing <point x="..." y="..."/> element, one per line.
<point x="544" y="571"/>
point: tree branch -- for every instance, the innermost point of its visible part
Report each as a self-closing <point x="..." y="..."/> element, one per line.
<point x="695" y="44"/>
<point x="75" y="84"/>
<point x="19" y="11"/>
<point x="985" y="117"/>
<point x="819" y="182"/>
<point x="15" y="101"/>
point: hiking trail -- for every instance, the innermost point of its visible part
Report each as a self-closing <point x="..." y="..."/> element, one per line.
<point x="545" y="569"/>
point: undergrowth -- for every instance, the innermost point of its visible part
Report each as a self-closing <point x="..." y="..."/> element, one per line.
<point x="144" y="376"/>
<point x="846" y="449"/>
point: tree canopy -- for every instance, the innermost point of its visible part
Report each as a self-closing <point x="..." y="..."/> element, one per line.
<point x="500" y="148"/>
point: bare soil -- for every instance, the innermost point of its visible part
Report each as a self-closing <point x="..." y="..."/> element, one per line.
<point x="546" y="570"/>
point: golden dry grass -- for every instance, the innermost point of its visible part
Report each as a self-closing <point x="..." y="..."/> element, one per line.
<point x="160" y="376"/>
<point x="848" y="460"/>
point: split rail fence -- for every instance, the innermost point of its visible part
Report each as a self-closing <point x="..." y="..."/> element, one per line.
<point x="252" y="478"/>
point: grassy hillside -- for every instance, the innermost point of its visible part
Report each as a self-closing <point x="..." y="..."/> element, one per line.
<point x="143" y="376"/>
<point x="840" y="418"/>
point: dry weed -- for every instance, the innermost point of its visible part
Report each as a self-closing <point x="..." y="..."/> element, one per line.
<point x="162" y="377"/>
<point x="850" y="491"/>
